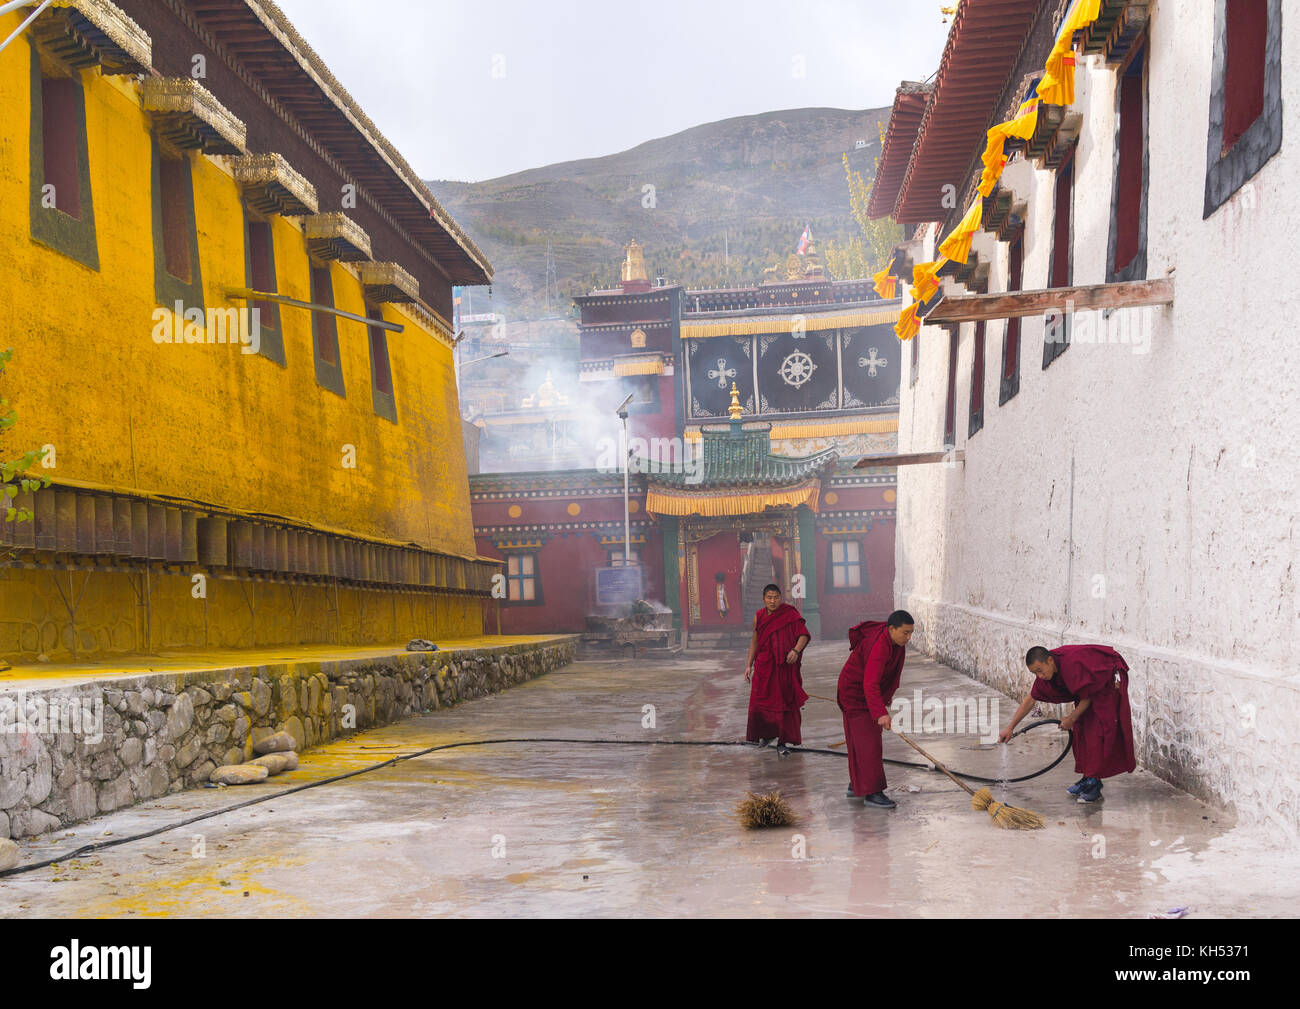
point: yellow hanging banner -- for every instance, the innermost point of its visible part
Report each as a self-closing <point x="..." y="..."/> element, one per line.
<point x="957" y="245"/>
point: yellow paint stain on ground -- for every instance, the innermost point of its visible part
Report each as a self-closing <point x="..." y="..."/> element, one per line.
<point x="520" y="877"/>
<point x="217" y="659"/>
<point x="169" y="891"/>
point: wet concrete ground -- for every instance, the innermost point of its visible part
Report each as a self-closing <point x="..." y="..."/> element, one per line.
<point x="564" y="829"/>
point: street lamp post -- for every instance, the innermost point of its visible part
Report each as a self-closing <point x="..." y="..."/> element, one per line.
<point x="627" y="515"/>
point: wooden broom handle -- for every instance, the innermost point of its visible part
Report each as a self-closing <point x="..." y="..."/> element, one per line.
<point x="938" y="766"/>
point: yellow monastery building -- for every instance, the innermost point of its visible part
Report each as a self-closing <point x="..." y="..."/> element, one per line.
<point x="219" y="476"/>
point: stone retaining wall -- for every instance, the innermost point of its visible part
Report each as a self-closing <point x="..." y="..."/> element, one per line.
<point x="162" y="732"/>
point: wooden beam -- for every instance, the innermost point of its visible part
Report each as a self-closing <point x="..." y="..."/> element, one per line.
<point x="911" y="458"/>
<point x="1051" y="300"/>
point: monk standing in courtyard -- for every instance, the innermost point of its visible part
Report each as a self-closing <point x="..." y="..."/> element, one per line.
<point x="777" y="694"/>
<point x="1095" y="678"/>
<point x="866" y="688"/>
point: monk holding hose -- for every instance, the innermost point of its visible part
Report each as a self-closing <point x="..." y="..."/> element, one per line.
<point x="867" y="684"/>
<point x="1095" y="678"/>
<point x="777" y="694"/>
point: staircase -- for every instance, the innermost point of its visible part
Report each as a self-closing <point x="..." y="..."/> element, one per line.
<point x="758" y="572"/>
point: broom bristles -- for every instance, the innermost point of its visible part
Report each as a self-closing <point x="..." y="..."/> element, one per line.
<point x="1007" y="817"/>
<point x="767" y="810"/>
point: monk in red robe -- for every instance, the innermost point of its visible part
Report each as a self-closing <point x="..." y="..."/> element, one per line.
<point x="777" y="694"/>
<point x="866" y="688"/>
<point x="1095" y="678"/>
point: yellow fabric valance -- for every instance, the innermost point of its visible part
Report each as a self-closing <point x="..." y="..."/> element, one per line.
<point x="623" y="368"/>
<point x="787" y="323"/>
<point x="710" y="503"/>
<point x="830" y="428"/>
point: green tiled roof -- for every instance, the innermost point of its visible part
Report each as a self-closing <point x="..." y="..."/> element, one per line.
<point x="743" y="459"/>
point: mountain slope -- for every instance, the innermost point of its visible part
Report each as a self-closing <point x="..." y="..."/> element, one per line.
<point x="713" y="205"/>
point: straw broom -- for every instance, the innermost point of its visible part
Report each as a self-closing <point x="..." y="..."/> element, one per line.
<point x="767" y="810"/>
<point x="1008" y="817"/>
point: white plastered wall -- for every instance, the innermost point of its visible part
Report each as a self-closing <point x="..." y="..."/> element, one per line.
<point x="1142" y="497"/>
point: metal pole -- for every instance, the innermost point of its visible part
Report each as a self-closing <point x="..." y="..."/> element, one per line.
<point x="22" y="27"/>
<point x="627" y="515"/>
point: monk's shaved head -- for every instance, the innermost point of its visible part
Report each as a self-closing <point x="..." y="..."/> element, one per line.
<point x="1037" y="654"/>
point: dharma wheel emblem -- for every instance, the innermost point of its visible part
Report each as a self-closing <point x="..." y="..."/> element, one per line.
<point x="797" y="368"/>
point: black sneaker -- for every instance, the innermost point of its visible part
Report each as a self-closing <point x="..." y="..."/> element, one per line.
<point x="1079" y="785"/>
<point x="1091" y="792"/>
<point x="762" y="743"/>
<point x="880" y="800"/>
<point x="850" y="794"/>
<point x="783" y="749"/>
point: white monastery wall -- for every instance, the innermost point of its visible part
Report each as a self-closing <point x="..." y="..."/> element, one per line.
<point x="1144" y="497"/>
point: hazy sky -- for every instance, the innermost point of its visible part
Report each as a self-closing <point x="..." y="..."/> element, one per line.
<point x="474" y="89"/>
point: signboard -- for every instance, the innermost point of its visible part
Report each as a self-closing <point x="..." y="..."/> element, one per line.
<point x="618" y="586"/>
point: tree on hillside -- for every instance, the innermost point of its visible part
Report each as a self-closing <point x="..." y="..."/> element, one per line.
<point x="864" y="254"/>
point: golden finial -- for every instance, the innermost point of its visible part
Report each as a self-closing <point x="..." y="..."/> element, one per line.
<point x="734" y="411"/>
<point x="947" y="11"/>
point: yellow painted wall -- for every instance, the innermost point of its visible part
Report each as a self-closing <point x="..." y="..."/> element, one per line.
<point x="205" y="422"/>
<point x="34" y="619"/>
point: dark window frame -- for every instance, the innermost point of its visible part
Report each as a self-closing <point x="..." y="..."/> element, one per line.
<point x="1053" y="349"/>
<point x="1009" y="384"/>
<point x="536" y="578"/>
<point x="977" y="379"/>
<point x="1123" y="170"/>
<point x="864" y="578"/>
<point x="270" y="340"/>
<point x="329" y="374"/>
<point x="168" y="288"/>
<point x="384" y="401"/>
<point x="71" y="236"/>
<point x="1226" y="172"/>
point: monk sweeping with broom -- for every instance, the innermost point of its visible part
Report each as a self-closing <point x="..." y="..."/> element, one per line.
<point x="866" y="687"/>
<point x="1095" y="678"/>
<point x="777" y="694"/>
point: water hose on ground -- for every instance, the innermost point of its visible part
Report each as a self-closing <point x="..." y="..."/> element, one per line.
<point x="88" y="849"/>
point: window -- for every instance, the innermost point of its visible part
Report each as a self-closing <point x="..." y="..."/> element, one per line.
<point x="1128" y="206"/>
<point x="977" y="382"/>
<point x="645" y="393"/>
<point x="177" y="276"/>
<point x="846" y="571"/>
<point x="616" y="558"/>
<point x="324" y="332"/>
<point x="62" y="211"/>
<point x="1010" y="383"/>
<point x="1056" y="337"/>
<point x="1246" y="28"/>
<point x="1245" y="122"/>
<point x="522" y="580"/>
<point x="950" y="402"/>
<point x="259" y="273"/>
<point x="381" y="374"/>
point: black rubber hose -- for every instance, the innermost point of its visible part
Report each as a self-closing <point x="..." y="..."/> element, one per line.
<point x="88" y="849"/>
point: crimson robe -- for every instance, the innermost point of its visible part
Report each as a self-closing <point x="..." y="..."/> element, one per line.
<point x="1103" y="735"/>
<point x="865" y="690"/>
<point x="776" y="693"/>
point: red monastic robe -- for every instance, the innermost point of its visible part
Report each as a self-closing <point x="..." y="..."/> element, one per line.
<point x="777" y="693"/>
<point x="866" y="688"/>
<point x="1103" y="735"/>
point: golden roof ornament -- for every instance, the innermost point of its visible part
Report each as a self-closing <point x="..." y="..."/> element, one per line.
<point x="633" y="263"/>
<point x="734" y="411"/>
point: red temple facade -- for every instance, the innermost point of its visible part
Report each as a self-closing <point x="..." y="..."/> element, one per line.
<point x="747" y="410"/>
